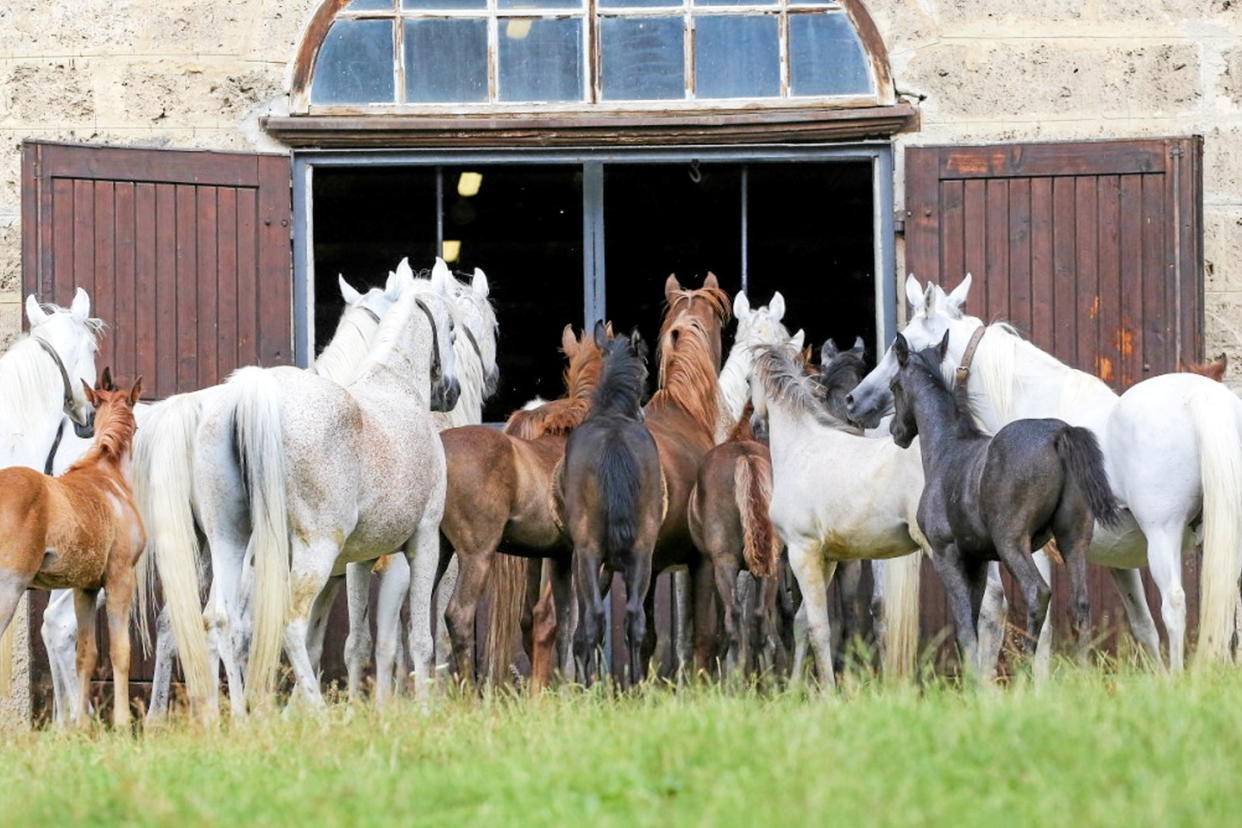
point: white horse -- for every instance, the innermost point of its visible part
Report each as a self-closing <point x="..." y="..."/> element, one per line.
<point x="330" y="475"/>
<point x="163" y="488"/>
<point x="477" y="372"/>
<point x="837" y="495"/>
<point x="41" y="375"/>
<point x="1171" y="448"/>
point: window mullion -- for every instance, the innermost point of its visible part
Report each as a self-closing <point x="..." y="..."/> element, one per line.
<point x="493" y="53"/>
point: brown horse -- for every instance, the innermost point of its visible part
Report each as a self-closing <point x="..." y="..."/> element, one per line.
<point x="610" y="496"/>
<point x="1212" y="370"/>
<point x="729" y="523"/>
<point x="681" y="416"/>
<point x="80" y="531"/>
<point x="500" y="490"/>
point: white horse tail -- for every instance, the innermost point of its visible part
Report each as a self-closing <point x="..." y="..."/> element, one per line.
<point x="163" y="492"/>
<point x="254" y="403"/>
<point x="1215" y="415"/>
<point x="901" y="613"/>
<point x="752" y="493"/>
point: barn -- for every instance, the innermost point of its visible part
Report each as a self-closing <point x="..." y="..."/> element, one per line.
<point x="207" y="169"/>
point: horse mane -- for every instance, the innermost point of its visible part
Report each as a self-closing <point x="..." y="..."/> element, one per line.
<point x="787" y="384"/>
<point x="622" y="377"/>
<point x="928" y="366"/>
<point x="688" y="372"/>
<point x="113" y="434"/>
<point x="559" y="417"/>
<point x="341" y="357"/>
<point x="392" y="326"/>
<point x="742" y="430"/>
<point x="1214" y="370"/>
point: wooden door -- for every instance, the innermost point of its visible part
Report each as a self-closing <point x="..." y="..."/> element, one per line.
<point x="1093" y="250"/>
<point x="186" y="255"/>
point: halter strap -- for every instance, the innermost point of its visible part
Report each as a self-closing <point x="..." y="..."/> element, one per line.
<point x="64" y="375"/>
<point x="374" y="316"/>
<point x="51" y="455"/>
<point x="436" y="368"/>
<point x="963" y="369"/>
<point x="470" y="336"/>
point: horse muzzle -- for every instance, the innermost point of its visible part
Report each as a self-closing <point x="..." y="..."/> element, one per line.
<point x="865" y="409"/>
<point x="444" y="394"/>
<point x="85" y="430"/>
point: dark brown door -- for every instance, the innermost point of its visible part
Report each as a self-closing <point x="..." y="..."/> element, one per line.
<point x="186" y="256"/>
<point x="1093" y="250"/>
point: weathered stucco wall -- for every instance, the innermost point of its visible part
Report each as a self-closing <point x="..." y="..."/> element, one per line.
<point x="178" y="73"/>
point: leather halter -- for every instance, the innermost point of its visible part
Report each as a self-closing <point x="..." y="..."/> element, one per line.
<point x="963" y="369"/>
<point x="374" y="316"/>
<point x="437" y="369"/>
<point x="67" y="402"/>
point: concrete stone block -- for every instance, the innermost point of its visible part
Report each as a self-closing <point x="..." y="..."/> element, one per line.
<point x="1222" y="165"/>
<point x="173" y="94"/>
<point x="1230" y="81"/>
<point x="10" y="320"/>
<point x="10" y="258"/>
<point x="1222" y="249"/>
<point x="1223" y="332"/>
<point x="42" y="92"/>
<point x="38" y="27"/>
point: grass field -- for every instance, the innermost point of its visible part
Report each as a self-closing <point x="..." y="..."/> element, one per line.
<point x="1088" y="748"/>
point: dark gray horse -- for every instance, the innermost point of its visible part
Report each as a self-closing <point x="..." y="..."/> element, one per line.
<point x="989" y="498"/>
<point x="611" y="499"/>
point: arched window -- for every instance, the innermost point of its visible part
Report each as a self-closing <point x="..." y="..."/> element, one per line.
<point x="579" y="55"/>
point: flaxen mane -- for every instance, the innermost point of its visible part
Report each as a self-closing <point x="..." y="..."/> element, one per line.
<point x="688" y="364"/>
<point x="786" y="383"/>
<point x="741" y="429"/>
<point x="559" y="417"/>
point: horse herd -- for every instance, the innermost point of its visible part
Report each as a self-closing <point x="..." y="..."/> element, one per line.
<point x="251" y="502"/>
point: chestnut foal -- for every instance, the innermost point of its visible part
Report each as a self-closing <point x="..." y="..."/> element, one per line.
<point x="80" y="531"/>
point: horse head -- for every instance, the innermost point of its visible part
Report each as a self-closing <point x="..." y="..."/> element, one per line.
<point x="478" y="319"/>
<point x="114" y="413"/>
<point x="445" y="388"/>
<point x="72" y="335"/>
<point x="913" y="369"/>
<point x="932" y="314"/>
<point x="757" y="326"/>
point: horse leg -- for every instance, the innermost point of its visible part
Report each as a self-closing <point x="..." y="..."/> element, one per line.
<point x="534" y="572"/>
<point x="542" y="643"/>
<point x="637" y="584"/>
<point x="84" y="607"/>
<point x="766" y="647"/>
<point x="990" y="628"/>
<point x="591" y="620"/>
<point x="423" y="552"/>
<point x="683" y="607"/>
<point x="446" y="585"/>
<point x="1129" y="583"/>
<point x="849" y="579"/>
<point x="1015" y="553"/>
<point x="161" y="679"/>
<point x="471" y="581"/>
<point x="321" y="610"/>
<point x="814" y="574"/>
<point x="1164" y="557"/>
<point x="726" y="575"/>
<point x="704" y="611"/>
<point x="117" y="597"/>
<point x="59" y="631"/>
<point x="394" y="585"/>
<point x="562" y="577"/>
<point x="312" y="564"/>
<point x="951" y="567"/>
<point x="1043" y="645"/>
<point x="358" y="642"/>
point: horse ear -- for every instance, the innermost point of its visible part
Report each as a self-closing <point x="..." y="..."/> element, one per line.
<point x="711" y="281"/>
<point x="601" y="335"/>
<point x="860" y="347"/>
<point x="135" y="393"/>
<point x="957" y="299"/>
<point x="901" y="350"/>
<point x="741" y="306"/>
<point x="943" y="347"/>
<point x="639" y="346"/>
<point x="569" y="342"/>
<point x="351" y="296"/>
<point x="671" y="286"/>
<point x="929" y="298"/>
<point x="105" y="380"/>
<point x="798" y="339"/>
<point x="91" y="397"/>
<point x="827" y="352"/>
<point x="914" y="294"/>
<point x="608" y="328"/>
<point x="392" y="288"/>
<point x="441" y="276"/>
<point x="776" y="308"/>
<point x="34" y="313"/>
<point x="479" y="284"/>
<point x="81" y="306"/>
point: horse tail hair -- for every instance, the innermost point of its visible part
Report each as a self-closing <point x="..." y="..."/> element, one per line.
<point x="618" y="478"/>
<point x="254" y="405"/>
<point x="752" y="491"/>
<point x="901" y="613"/>
<point x="1084" y="463"/>
<point x="163" y="491"/>
<point x="507" y="588"/>
<point x="1215" y="413"/>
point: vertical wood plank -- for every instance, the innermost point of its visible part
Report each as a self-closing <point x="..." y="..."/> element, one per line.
<point x="997" y="256"/>
<point x="1041" y="263"/>
<point x="975" y="245"/>
<point x="1065" y="332"/>
<point x="247" y="277"/>
<point x="1129" y="336"/>
<point x="1086" y="244"/>
<point x="1157" y="275"/>
<point x="30" y="196"/>
<point x="103" y="277"/>
<point x="1108" y="361"/>
<point x="125" y="313"/>
<point x="207" y="302"/>
<point x="166" y="288"/>
<point x="83" y="230"/>
<point x="147" y="287"/>
<point x="275" y="261"/>
<point x="59" y="239"/>
<point x="226" y="245"/>
<point x="1020" y="253"/>
<point x="922" y="213"/>
<point x="952" y="232"/>
<point x="187" y="276"/>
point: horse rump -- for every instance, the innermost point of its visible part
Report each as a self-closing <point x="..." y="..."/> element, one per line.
<point x="620" y="482"/>
<point x="1083" y="462"/>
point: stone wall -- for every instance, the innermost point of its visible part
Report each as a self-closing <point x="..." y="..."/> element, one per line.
<point x="177" y="73"/>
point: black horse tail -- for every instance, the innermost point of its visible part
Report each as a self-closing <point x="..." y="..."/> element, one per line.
<point x="1082" y="460"/>
<point x="619" y="485"/>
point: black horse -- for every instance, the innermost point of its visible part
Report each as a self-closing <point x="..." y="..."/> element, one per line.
<point x="611" y="499"/>
<point x="989" y="498"/>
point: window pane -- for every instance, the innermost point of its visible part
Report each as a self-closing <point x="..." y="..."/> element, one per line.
<point x="355" y="63"/>
<point x="734" y="2"/>
<point x="540" y="60"/>
<point x="737" y="57"/>
<point x="613" y="4"/>
<point x="539" y="4"/>
<point x="643" y="58"/>
<point x="445" y="60"/>
<point x="444" y="4"/>
<point x="369" y="5"/>
<point x="826" y="57"/>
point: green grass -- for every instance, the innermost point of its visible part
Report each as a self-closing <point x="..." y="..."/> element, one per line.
<point x="1088" y="748"/>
